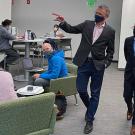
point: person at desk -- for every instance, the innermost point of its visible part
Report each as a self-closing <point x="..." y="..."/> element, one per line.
<point x="56" y="32"/>
<point x="56" y="65"/>
<point x="5" y="37"/>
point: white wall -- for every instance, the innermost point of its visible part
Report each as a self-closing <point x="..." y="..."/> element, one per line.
<point x="5" y="10"/>
<point x="37" y="16"/>
<point x="128" y="20"/>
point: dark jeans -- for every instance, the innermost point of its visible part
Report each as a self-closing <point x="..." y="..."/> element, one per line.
<point x="12" y="55"/>
<point x="129" y="92"/>
<point x="86" y="71"/>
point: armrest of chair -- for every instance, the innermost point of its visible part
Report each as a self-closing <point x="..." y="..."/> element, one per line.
<point x="53" y="120"/>
<point x="41" y="132"/>
<point x="72" y="68"/>
<point x="67" y="85"/>
<point x="51" y="127"/>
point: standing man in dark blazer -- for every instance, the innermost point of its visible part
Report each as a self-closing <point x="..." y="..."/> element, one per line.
<point x="129" y="78"/>
<point x="94" y="54"/>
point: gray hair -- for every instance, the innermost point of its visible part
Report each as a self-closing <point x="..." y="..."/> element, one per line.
<point x="106" y="8"/>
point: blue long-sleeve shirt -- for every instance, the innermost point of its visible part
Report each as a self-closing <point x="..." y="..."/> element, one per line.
<point x="56" y="66"/>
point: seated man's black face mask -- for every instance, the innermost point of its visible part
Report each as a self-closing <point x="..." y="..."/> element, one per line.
<point x="134" y="32"/>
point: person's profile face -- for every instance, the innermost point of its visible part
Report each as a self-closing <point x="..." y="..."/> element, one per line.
<point x="56" y="29"/>
<point x="46" y="47"/>
<point x="101" y="12"/>
<point x="8" y="27"/>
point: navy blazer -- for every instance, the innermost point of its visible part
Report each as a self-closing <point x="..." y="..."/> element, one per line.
<point x="102" y="50"/>
<point x="128" y="48"/>
<point x="129" y="52"/>
<point x="130" y="58"/>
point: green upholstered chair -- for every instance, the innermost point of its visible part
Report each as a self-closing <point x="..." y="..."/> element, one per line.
<point x="33" y="115"/>
<point x="66" y="84"/>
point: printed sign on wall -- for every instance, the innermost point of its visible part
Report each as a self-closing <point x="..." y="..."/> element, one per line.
<point x="91" y="2"/>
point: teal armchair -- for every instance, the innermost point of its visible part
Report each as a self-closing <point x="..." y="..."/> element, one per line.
<point x="33" y="115"/>
<point x="67" y="84"/>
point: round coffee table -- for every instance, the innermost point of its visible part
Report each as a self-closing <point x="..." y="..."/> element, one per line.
<point x="24" y="91"/>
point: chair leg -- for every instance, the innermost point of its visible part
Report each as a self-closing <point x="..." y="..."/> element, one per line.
<point x="39" y="64"/>
<point x="19" y="62"/>
<point x="76" y="102"/>
<point x="4" y="63"/>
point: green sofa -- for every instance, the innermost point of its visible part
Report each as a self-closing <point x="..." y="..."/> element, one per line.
<point x="67" y="84"/>
<point x="33" y="115"/>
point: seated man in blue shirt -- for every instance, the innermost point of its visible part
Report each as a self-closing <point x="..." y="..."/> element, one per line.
<point x="56" y="64"/>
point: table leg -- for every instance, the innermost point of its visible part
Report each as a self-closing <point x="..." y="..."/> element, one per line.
<point x="27" y="55"/>
<point x="25" y="77"/>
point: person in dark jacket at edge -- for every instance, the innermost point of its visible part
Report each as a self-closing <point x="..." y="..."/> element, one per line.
<point x="129" y="78"/>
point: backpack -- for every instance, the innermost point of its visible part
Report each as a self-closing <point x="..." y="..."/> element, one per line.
<point x="61" y="102"/>
<point x="27" y="63"/>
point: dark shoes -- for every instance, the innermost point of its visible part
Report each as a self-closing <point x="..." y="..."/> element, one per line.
<point x="88" y="127"/>
<point x="59" y="117"/>
<point x="129" y="115"/>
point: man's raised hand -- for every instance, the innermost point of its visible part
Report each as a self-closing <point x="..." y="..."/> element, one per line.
<point x="59" y="18"/>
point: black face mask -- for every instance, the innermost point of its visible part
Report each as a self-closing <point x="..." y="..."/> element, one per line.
<point x="99" y="18"/>
<point x="134" y="32"/>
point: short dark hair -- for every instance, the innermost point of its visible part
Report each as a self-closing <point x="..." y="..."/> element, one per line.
<point x="52" y="43"/>
<point x="56" y="25"/>
<point x="6" y="22"/>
